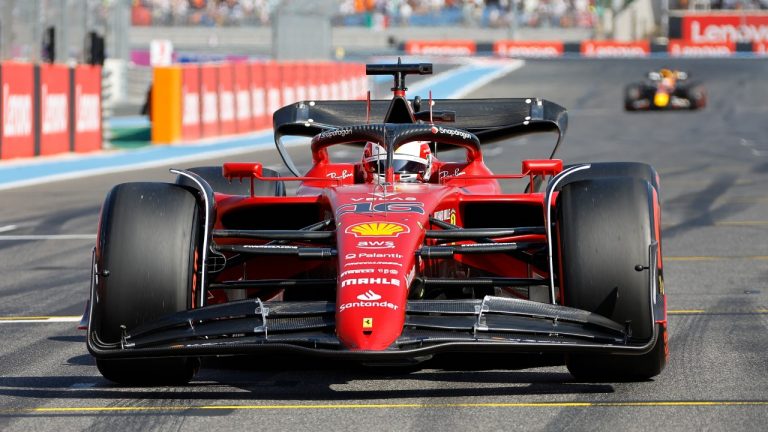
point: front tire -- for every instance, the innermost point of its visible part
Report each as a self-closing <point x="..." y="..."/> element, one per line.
<point x="147" y="256"/>
<point x="606" y="227"/>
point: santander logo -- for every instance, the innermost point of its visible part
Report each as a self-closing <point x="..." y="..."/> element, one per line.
<point x="369" y="296"/>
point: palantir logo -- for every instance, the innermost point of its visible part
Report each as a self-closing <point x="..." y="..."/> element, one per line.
<point x="369" y="296"/>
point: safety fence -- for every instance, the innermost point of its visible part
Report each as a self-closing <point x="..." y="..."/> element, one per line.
<point x="49" y="109"/>
<point x="586" y="48"/>
<point x="194" y="101"/>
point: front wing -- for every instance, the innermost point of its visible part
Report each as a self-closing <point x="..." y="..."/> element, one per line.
<point x="493" y="324"/>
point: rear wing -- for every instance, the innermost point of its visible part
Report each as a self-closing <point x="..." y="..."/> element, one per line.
<point x="489" y="119"/>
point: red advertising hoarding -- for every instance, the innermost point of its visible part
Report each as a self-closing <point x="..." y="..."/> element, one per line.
<point x="684" y="48"/>
<point x="272" y="85"/>
<point x="441" y="47"/>
<point x="54" y="109"/>
<point x="605" y="48"/>
<point x="725" y="27"/>
<point x="17" y="138"/>
<point x="242" y="89"/>
<point x="209" y="98"/>
<point x="528" y="49"/>
<point x="190" y="102"/>
<point x="87" y="106"/>
<point x="227" y="121"/>
<point x="259" y="96"/>
<point x="289" y="77"/>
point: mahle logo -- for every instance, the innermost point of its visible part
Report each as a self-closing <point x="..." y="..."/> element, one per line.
<point x="377" y="229"/>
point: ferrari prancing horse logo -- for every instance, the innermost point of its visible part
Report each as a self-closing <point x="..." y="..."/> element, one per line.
<point x="367" y="323"/>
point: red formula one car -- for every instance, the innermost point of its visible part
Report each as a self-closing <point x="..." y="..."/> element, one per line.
<point x="395" y="258"/>
<point x="665" y="90"/>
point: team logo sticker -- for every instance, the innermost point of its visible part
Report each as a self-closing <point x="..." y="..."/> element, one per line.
<point x="377" y="229"/>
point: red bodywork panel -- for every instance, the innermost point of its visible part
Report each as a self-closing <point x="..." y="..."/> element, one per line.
<point x="379" y="229"/>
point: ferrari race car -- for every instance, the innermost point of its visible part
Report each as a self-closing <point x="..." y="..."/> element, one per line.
<point x="665" y="90"/>
<point x="396" y="258"/>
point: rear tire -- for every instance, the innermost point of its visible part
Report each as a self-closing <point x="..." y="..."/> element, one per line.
<point x="631" y="94"/>
<point x="606" y="226"/>
<point x="219" y="183"/>
<point x="698" y="97"/>
<point x="148" y="246"/>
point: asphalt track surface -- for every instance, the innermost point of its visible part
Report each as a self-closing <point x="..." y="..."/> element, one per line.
<point x="714" y="174"/>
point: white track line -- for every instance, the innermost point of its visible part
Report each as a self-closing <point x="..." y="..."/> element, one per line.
<point x="48" y="237"/>
<point x="41" y="319"/>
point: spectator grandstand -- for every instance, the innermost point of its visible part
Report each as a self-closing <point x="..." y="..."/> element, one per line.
<point x="376" y="14"/>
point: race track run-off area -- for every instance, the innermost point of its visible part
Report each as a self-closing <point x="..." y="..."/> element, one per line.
<point x="713" y="166"/>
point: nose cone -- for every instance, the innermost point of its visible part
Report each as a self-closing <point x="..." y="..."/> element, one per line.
<point x="661" y="99"/>
<point x="374" y="318"/>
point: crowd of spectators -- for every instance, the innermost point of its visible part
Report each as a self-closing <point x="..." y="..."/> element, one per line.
<point x="399" y="13"/>
<point x="375" y="13"/>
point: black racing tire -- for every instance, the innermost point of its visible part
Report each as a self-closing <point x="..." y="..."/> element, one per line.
<point x="606" y="227"/>
<point x="148" y="243"/>
<point x="698" y="97"/>
<point x="149" y="372"/>
<point x="219" y="183"/>
<point x="632" y="93"/>
<point x="638" y="170"/>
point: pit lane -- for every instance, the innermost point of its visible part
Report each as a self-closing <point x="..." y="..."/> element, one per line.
<point x="714" y="171"/>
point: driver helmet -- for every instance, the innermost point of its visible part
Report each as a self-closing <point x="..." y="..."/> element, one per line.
<point x="412" y="162"/>
<point x="667" y="73"/>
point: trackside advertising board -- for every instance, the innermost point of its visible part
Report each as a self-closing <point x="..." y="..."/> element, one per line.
<point x="684" y="48"/>
<point x="17" y="137"/>
<point x="528" y="49"/>
<point x="190" y="102"/>
<point x="209" y="97"/>
<point x="227" y="118"/>
<point x="87" y="135"/>
<point x="54" y="109"/>
<point x="242" y="89"/>
<point x="609" y="48"/>
<point x="441" y="47"/>
<point x="750" y="26"/>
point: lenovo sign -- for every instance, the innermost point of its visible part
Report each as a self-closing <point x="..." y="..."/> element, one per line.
<point x="681" y="48"/>
<point x="532" y="49"/>
<point x="440" y="47"/>
<point x="17" y="136"/>
<point x="718" y="28"/>
<point x="605" y="48"/>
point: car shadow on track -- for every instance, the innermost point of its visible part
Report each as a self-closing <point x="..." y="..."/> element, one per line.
<point x="308" y="380"/>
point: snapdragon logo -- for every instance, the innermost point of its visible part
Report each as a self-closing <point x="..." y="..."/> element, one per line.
<point x="455" y="132"/>
<point x="335" y="133"/>
<point x="369" y="296"/>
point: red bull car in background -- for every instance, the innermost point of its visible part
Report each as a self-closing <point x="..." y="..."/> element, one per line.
<point x="396" y="258"/>
<point x="665" y="90"/>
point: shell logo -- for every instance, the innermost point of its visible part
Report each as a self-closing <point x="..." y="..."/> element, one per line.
<point x="377" y="229"/>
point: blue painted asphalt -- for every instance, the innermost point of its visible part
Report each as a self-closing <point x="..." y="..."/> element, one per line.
<point x="15" y="173"/>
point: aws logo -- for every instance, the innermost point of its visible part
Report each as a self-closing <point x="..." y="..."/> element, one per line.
<point x="376" y="244"/>
<point x="377" y="229"/>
